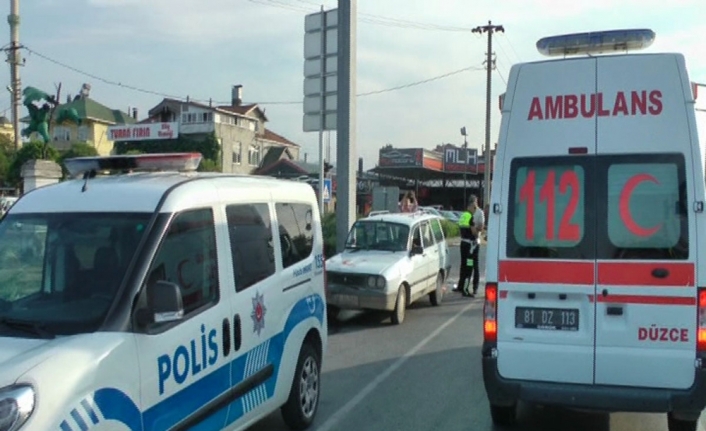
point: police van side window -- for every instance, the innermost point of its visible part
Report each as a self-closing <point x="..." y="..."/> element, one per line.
<point x="251" y="244"/>
<point x="296" y="232"/>
<point x="187" y="257"/>
<point x="550" y="208"/>
<point x="645" y="206"/>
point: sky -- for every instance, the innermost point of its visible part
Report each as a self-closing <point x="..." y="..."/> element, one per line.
<point x="201" y="48"/>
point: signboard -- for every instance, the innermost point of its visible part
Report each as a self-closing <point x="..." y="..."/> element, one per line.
<point x="327" y="190"/>
<point x="401" y="157"/>
<point x="143" y="132"/>
<point x="386" y="199"/>
<point x="461" y="160"/>
<point x="321" y="71"/>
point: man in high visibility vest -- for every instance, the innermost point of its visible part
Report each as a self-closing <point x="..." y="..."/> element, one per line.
<point x="470" y="225"/>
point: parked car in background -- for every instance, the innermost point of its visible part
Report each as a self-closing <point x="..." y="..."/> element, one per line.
<point x="389" y="261"/>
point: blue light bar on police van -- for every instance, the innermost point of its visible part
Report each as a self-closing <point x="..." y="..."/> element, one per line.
<point x="182" y="162"/>
<point x="596" y="42"/>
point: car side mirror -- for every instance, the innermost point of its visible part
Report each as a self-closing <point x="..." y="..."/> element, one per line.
<point x="416" y="249"/>
<point x="164" y="304"/>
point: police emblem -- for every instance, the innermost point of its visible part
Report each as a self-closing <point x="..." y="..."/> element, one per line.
<point x="258" y="313"/>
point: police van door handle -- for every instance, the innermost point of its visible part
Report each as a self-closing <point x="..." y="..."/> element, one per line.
<point x="660" y="273"/>
<point x="226" y="337"/>
<point x="237" y="333"/>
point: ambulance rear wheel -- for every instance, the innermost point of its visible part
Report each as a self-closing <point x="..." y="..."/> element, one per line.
<point x="674" y="424"/>
<point x="299" y="411"/>
<point x="503" y="415"/>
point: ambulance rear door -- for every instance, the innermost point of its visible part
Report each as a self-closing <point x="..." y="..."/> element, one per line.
<point x="646" y="230"/>
<point x="546" y="258"/>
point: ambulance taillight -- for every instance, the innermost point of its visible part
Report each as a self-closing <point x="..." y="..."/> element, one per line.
<point x="701" y="328"/>
<point x="490" y="313"/>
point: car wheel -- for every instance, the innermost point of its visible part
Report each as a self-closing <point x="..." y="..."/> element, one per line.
<point x="438" y="294"/>
<point x="503" y="415"/>
<point x="400" y="306"/>
<point x="674" y="424"/>
<point x="301" y="407"/>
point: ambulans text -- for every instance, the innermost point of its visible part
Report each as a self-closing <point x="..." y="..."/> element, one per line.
<point x="190" y="359"/>
<point x="570" y="106"/>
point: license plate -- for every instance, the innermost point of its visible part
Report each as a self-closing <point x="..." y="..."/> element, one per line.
<point x="556" y="319"/>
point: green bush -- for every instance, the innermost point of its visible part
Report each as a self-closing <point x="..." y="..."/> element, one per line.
<point x="328" y="227"/>
<point x="450" y="228"/>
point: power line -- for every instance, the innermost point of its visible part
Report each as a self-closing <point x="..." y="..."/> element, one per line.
<point x="299" y="102"/>
<point x="366" y="17"/>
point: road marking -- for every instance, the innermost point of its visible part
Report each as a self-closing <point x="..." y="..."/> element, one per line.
<point x="353" y="402"/>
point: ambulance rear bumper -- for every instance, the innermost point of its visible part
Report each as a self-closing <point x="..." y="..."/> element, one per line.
<point x="505" y="392"/>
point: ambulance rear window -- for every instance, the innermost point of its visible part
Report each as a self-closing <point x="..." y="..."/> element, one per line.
<point x="645" y="206"/>
<point x="548" y="209"/>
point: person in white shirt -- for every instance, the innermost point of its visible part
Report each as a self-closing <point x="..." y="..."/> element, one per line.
<point x="478" y="222"/>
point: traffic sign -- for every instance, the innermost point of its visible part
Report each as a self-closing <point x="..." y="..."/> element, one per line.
<point x="327" y="190"/>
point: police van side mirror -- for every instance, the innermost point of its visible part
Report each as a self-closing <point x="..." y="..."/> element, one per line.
<point x="165" y="304"/>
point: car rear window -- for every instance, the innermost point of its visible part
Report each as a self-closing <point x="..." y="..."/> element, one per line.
<point x="548" y="217"/>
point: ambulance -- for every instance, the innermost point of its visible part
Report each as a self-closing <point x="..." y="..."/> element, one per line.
<point x="160" y="298"/>
<point x="595" y="299"/>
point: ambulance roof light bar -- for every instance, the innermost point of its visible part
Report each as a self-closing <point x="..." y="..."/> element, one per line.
<point x="181" y="162"/>
<point x="596" y="42"/>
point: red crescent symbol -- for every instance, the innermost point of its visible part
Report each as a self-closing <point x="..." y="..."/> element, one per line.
<point x="625" y="215"/>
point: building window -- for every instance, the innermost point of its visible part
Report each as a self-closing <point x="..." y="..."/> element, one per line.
<point x="62" y="133"/>
<point x="254" y="156"/>
<point x="237" y="153"/>
<point x="83" y="133"/>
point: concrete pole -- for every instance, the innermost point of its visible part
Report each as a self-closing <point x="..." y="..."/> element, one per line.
<point x="15" y="59"/>
<point x="346" y="121"/>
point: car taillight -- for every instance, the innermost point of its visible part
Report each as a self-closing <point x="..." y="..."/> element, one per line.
<point x="490" y="312"/>
<point x="701" y="328"/>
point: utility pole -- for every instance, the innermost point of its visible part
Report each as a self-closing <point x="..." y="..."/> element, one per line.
<point x="490" y="64"/>
<point x="15" y="61"/>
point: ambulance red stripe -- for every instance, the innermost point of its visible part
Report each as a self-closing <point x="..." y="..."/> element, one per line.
<point x="542" y="271"/>
<point x="640" y="274"/>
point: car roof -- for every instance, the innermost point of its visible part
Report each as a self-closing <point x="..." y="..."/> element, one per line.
<point x="143" y="191"/>
<point x="402" y="218"/>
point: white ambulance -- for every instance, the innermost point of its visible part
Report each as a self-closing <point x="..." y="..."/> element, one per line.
<point x="168" y="300"/>
<point x="595" y="299"/>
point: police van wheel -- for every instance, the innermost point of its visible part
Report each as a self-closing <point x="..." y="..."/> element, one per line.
<point x="400" y="306"/>
<point x="503" y="415"/>
<point x="674" y="424"/>
<point x="299" y="411"/>
<point x="437" y="295"/>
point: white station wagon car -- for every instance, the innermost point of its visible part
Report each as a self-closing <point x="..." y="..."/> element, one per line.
<point x="389" y="261"/>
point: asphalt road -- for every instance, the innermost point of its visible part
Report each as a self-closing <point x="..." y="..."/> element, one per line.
<point x="425" y="375"/>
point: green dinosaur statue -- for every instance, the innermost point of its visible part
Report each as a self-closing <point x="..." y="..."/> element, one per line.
<point x="40" y="117"/>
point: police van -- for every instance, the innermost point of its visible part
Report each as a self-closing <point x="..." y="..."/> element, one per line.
<point x="167" y="300"/>
<point x="594" y="298"/>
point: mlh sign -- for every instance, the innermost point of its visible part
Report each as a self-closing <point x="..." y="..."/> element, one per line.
<point x="460" y="159"/>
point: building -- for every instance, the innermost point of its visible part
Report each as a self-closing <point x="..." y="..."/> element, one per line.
<point x="95" y="120"/>
<point x="240" y="130"/>
<point x="6" y="128"/>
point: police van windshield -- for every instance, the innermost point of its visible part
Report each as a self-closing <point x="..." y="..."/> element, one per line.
<point x="59" y="272"/>
<point x="377" y="235"/>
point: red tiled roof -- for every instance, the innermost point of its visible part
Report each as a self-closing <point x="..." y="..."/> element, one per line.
<point x="274" y="137"/>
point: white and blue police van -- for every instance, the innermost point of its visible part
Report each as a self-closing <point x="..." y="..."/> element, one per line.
<point x="595" y="296"/>
<point x="160" y="298"/>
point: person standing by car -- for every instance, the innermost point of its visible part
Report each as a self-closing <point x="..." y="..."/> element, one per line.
<point x="465" y="224"/>
<point x="408" y="203"/>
